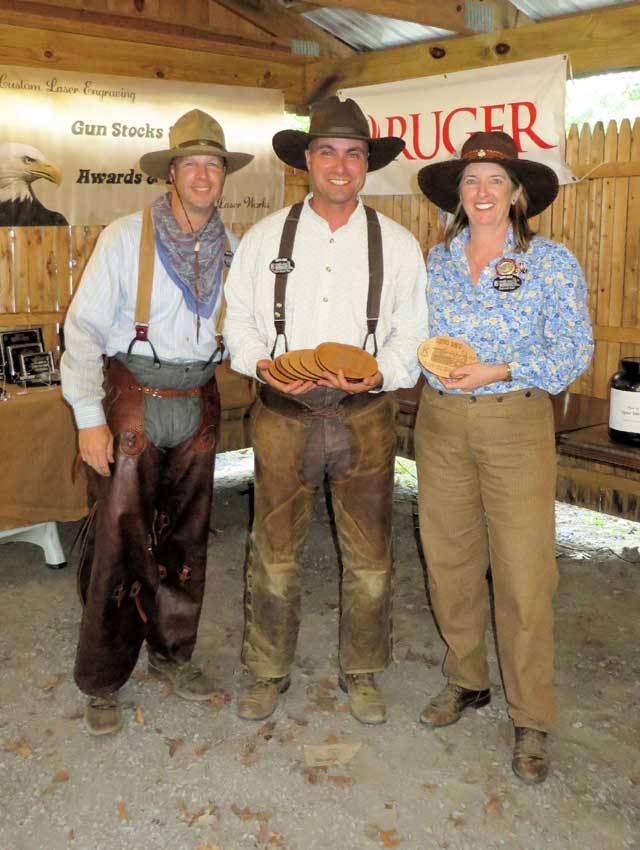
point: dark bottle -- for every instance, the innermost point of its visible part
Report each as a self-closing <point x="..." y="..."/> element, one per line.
<point x="624" y="407"/>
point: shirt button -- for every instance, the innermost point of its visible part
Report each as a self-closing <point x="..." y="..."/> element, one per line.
<point x="499" y="398"/>
<point x="325" y="299"/>
<point x="472" y="399"/>
<point x="328" y="268"/>
<point x="331" y="241"/>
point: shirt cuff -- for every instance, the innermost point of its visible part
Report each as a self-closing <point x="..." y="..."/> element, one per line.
<point x="89" y="417"/>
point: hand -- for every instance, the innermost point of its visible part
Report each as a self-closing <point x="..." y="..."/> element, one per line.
<point x="295" y="388"/>
<point x="474" y="375"/>
<point x="96" y="448"/>
<point x="339" y="382"/>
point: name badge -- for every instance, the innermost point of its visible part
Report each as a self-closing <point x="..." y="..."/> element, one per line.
<point x="507" y="280"/>
<point x="227" y="258"/>
<point x="282" y="265"/>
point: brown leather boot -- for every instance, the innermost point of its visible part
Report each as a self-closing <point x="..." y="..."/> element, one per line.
<point x="530" y="761"/>
<point x="447" y="707"/>
<point x="186" y="678"/>
<point x="103" y="715"/>
<point x="258" y="701"/>
<point x="366" y="703"/>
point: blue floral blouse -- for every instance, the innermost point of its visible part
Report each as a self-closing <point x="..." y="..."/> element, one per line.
<point x="542" y="329"/>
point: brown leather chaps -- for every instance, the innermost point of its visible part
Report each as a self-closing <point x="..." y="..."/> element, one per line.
<point x="142" y="567"/>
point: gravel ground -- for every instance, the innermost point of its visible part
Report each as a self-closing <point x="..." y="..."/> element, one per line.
<point x="184" y="776"/>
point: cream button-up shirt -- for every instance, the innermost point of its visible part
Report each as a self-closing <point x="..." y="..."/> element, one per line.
<point x="326" y="297"/>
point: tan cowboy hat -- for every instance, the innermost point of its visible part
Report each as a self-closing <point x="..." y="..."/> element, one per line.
<point x="333" y="118"/>
<point x="194" y="134"/>
<point x="439" y="181"/>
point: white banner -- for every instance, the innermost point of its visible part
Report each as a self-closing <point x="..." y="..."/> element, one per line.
<point x="435" y="115"/>
<point x="94" y="128"/>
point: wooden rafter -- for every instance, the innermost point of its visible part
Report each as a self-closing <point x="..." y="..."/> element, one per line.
<point x="140" y="29"/>
<point x="597" y="41"/>
<point x="444" y="14"/>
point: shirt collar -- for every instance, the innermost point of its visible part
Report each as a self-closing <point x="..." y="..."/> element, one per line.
<point x="458" y="245"/>
<point x="356" y="216"/>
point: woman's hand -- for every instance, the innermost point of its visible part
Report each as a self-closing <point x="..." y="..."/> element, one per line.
<point x="475" y="375"/>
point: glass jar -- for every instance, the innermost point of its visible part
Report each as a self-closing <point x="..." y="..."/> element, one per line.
<point x="624" y="407"/>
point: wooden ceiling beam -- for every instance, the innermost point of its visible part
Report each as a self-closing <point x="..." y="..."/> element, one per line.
<point x="58" y="51"/>
<point x="143" y="30"/>
<point x="444" y="14"/>
<point x="604" y="40"/>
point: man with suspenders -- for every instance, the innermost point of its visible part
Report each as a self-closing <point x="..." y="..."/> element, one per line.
<point x="150" y="300"/>
<point x="327" y="269"/>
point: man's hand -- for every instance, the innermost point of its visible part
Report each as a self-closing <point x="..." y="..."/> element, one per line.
<point x="96" y="448"/>
<point x="339" y="382"/>
<point x="474" y="375"/>
<point x="295" y="388"/>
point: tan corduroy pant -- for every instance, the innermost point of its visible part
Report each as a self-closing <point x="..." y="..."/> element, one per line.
<point x="486" y="474"/>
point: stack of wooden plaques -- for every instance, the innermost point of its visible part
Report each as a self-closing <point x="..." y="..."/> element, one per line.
<point x="441" y="354"/>
<point x="311" y="364"/>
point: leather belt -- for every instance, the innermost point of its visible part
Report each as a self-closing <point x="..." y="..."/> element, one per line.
<point x="167" y="393"/>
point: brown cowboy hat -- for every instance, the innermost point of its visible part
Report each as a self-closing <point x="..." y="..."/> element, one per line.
<point x="194" y="134"/>
<point x="439" y="181"/>
<point x="333" y="118"/>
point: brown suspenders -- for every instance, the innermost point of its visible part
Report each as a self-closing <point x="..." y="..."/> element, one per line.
<point x="145" y="287"/>
<point x="376" y="275"/>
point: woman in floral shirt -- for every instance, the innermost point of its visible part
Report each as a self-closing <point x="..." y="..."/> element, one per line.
<point x="485" y="445"/>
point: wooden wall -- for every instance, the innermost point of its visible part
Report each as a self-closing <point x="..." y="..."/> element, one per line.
<point x="598" y="218"/>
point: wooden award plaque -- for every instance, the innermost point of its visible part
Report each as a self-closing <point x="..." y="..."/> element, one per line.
<point x="441" y="354"/>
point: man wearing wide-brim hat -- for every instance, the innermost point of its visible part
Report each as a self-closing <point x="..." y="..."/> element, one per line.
<point x="325" y="270"/>
<point x="150" y="301"/>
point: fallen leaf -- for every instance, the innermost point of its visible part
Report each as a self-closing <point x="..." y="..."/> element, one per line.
<point x="635" y="780"/>
<point x="139" y="716"/>
<point x="324" y="755"/>
<point x="286" y="736"/>
<point x="47" y="789"/>
<point x="263" y="834"/>
<point x="202" y="749"/>
<point x="247" y="814"/>
<point x="219" y="698"/>
<point x="315" y="775"/>
<point x="50" y="683"/>
<point x="248" y="754"/>
<point x="457" y="821"/>
<point x="340" y="781"/>
<point x="61" y="776"/>
<point x="72" y="835"/>
<point x="20" y="748"/>
<point x="206" y="816"/>
<point x="331" y="739"/>
<point x="430" y="787"/>
<point x="493" y="806"/>
<point x="123" y="813"/>
<point x="388" y="838"/>
<point x="299" y="721"/>
<point x="266" y="730"/>
<point x="174" y="745"/>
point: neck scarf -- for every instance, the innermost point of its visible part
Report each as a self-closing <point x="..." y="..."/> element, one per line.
<point x="178" y="253"/>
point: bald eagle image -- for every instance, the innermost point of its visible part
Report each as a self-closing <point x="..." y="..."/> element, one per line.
<point x="20" y="166"/>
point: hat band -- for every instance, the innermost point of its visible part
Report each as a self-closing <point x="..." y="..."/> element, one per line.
<point x="201" y="143"/>
<point x="482" y="153"/>
<point x="340" y="132"/>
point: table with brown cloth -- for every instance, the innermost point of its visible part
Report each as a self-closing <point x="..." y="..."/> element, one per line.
<point x="38" y="451"/>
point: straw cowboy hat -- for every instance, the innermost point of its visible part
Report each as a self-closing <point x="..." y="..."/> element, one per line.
<point x="194" y="134"/>
<point x="439" y="181"/>
<point x="333" y="118"/>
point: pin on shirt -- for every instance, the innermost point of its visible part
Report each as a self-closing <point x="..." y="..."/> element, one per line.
<point x="281" y="265"/>
<point x="507" y="280"/>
